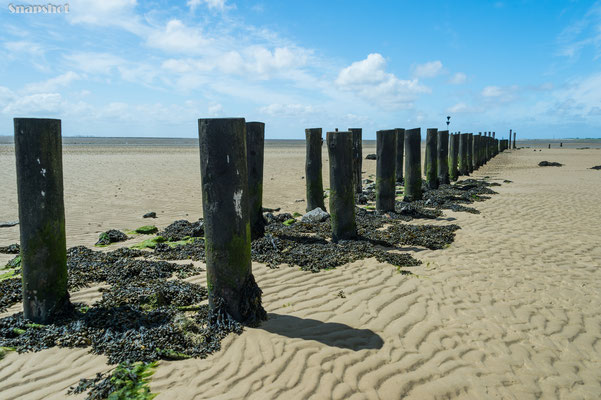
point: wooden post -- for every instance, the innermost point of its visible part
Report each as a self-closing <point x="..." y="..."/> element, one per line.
<point x="400" y="149"/>
<point x="342" y="196"/>
<point x="509" y="142"/>
<point x="357" y="158"/>
<point x="38" y="151"/>
<point x="313" y="178"/>
<point x="463" y="169"/>
<point x="470" y="154"/>
<point x="514" y="140"/>
<point x="413" y="168"/>
<point x="442" y="149"/>
<point x="385" y="166"/>
<point x="255" y="144"/>
<point x="453" y="155"/>
<point x="431" y="158"/>
<point x="223" y="169"/>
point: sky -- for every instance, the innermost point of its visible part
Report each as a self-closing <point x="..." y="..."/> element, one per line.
<point x="153" y="68"/>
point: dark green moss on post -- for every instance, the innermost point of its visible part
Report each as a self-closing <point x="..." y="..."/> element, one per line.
<point x="453" y="154"/>
<point x="38" y="151"/>
<point x="342" y="193"/>
<point x="442" y="164"/>
<point x="470" y="154"/>
<point x="462" y="160"/>
<point x="400" y="150"/>
<point x="255" y="140"/>
<point x="225" y="201"/>
<point x="431" y="158"/>
<point x="357" y="158"/>
<point x="413" y="167"/>
<point x="385" y="167"/>
<point x="314" y="181"/>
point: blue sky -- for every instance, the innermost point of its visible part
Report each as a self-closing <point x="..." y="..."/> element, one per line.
<point x="152" y="68"/>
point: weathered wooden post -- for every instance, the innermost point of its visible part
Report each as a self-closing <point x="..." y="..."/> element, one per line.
<point x="463" y="169"/>
<point x="470" y="154"/>
<point x="255" y="144"/>
<point x="385" y="166"/>
<point x="431" y="158"/>
<point x="453" y="155"/>
<point x="342" y="195"/>
<point x="509" y="142"/>
<point x="400" y="149"/>
<point x="514" y="139"/>
<point x="314" y="181"/>
<point x="38" y="150"/>
<point x="474" y="152"/>
<point x="442" y="164"/>
<point x="225" y="201"/>
<point x="357" y="158"/>
<point x="413" y="167"/>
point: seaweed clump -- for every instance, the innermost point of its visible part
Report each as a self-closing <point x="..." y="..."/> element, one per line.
<point x="10" y="249"/>
<point x="11" y="291"/>
<point x="126" y="381"/>
<point x="111" y="236"/>
<point x="182" y="229"/>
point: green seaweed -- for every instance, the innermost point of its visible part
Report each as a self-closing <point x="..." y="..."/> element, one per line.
<point x="4" y="350"/>
<point x="14" y="263"/>
<point x="289" y="222"/>
<point x="147" y="229"/>
<point x="297" y="214"/>
<point x="149" y="243"/>
<point x="8" y="275"/>
<point x="131" y="381"/>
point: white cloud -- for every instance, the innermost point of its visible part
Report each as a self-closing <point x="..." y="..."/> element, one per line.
<point x="52" y="84"/>
<point x="178" y="38"/>
<point x="94" y="63"/>
<point x="458" y="79"/>
<point x="287" y="110"/>
<point x="461" y="107"/>
<point x="581" y="34"/>
<point x="211" y="4"/>
<point x="119" y="13"/>
<point x="500" y="94"/>
<point x="428" y="70"/>
<point x="368" y="79"/>
<point x="34" y="104"/>
<point x="215" y="110"/>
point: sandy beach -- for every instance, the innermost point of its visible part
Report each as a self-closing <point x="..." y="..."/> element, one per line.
<point x="509" y="311"/>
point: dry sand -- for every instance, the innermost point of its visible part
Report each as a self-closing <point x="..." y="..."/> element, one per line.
<point x="511" y="310"/>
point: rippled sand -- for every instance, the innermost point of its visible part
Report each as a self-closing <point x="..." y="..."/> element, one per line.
<point x="508" y="311"/>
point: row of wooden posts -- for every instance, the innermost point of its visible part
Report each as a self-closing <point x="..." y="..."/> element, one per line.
<point x="231" y="166"/>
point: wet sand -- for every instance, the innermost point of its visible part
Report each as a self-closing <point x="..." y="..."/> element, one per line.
<point x="509" y="311"/>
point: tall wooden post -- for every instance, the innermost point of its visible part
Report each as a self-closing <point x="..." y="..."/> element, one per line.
<point x="453" y="155"/>
<point x="38" y="151"/>
<point x="225" y="201"/>
<point x="342" y="196"/>
<point x="357" y="158"/>
<point x="255" y="144"/>
<point x="413" y="168"/>
<point x="514" y="140"/>
<point x="431" y="158"/>
<point x="463" y="169"/>
<point x="470" y="154"/>
<point x="442" y="149"/>
<point x="385" y="167"/>
<point x="400" y="150"/>
<point x="314" y="180"/>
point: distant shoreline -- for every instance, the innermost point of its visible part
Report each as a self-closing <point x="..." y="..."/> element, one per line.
<point x="193" y="142"/>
